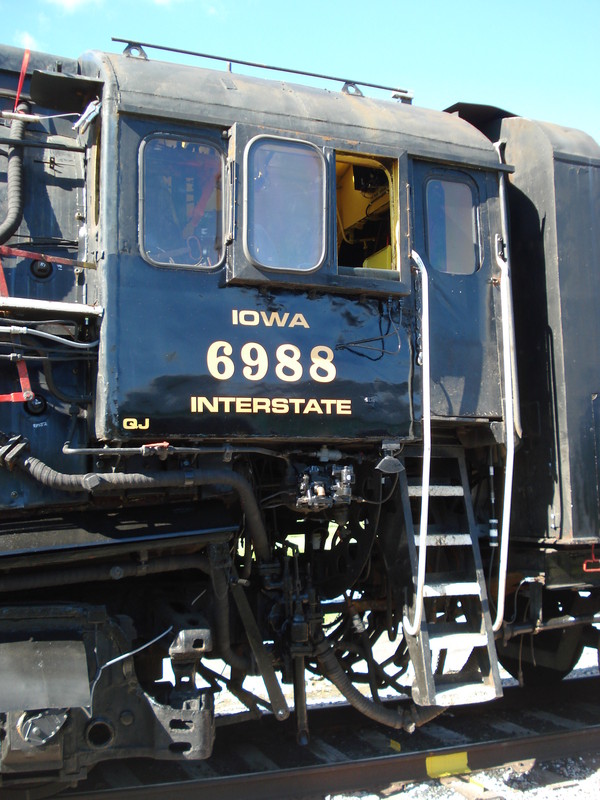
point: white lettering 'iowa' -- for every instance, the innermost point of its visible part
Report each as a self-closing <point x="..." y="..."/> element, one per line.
<point x="252" y="318"/>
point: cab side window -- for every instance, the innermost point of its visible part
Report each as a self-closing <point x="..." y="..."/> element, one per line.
<point x="451" y="226"/>
<point x="285" y="204"/>
<point x="365" y="207"/>
<point x="181" y="202"/>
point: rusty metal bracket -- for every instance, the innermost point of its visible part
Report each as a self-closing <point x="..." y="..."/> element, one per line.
<point x="263" y="659"/>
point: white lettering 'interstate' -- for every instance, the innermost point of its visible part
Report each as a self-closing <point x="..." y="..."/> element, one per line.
<point x="269" y="405"/>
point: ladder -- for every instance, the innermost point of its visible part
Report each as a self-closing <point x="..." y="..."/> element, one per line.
<point x="453" y="652"/>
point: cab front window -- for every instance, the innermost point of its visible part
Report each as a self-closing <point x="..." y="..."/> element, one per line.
<point x="181" y="202"/>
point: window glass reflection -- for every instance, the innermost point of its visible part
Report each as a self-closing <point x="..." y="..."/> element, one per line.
<point x="451" y="227"/>
<point x="285" y="204"/>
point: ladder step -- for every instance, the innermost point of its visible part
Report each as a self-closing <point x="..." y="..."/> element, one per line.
<point x="446" y="539"/>
<point x="457" y="575"/>
<point x="450" y="588"/>
<point x="437" y="490"/>
<point x="449" y="638"/>
<point x="452" y="693"/>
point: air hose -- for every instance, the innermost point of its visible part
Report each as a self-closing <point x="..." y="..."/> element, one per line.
<point x="14" y="179"/>
<point x="95" y="482"/>
<point x="406" y="719"/>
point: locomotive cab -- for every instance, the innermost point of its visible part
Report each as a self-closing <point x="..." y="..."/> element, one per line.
<point x="259" y="413"/>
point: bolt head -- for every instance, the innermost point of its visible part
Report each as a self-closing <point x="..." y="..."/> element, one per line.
<point x="126" y="718"/>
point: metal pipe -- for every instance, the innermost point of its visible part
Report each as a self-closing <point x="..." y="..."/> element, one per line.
<point x="220" y="585"/>
<point x="18" y="115"/>
<point x="22" y="330"/>
<point x="498" y="146"/>
<point x="412" y="628"/>
<point x="50" y="306"/>
<point x="557" y="623"/>
<point x="47" y="145"/>
<point x="226" y="451"/>
<point x="134" y="44"/>
<point x="510" y="437"/>
<point x="181" y="479"/>
<point x="102" y="572"/>
<point x="300" y="710"/>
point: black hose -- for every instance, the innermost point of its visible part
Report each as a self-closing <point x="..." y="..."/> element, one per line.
<point x="14" y="180"/>
<point x="406" y="719"/>
<point x="120" y="481"/>
<point x="94" y="482"/>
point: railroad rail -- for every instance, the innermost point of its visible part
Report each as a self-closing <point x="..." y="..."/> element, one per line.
<point x="348" y="753"/>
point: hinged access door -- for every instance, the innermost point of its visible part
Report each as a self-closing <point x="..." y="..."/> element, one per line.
<point x="279" y="223"/>
<point x="451" y="229"/>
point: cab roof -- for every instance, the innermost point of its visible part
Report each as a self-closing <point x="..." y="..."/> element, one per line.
<point x="141" y="86"/>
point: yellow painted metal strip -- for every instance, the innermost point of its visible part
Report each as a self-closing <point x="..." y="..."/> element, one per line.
<point x="443" y="766"/>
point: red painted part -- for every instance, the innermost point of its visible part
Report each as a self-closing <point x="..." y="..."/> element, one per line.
<point x="592" y="564"/>
<point x="24" y="66"/>
<point x="25" y="393"/>
<point x="70" y="262"/>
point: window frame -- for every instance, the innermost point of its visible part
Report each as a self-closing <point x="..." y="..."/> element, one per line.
<point x="195" y="139"/>
<point x="246" y="203"/>
<point x="240" y="271"/>
<point x="448" y="175"/>
<point x="392" y="172"/>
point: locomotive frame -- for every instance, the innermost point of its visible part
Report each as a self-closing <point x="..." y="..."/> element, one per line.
<point x="269" y="400"/>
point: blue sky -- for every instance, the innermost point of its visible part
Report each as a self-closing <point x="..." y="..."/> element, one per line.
<point x="537" y="58"/>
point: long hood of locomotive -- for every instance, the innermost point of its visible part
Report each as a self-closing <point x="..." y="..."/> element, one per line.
<point x="237" y="363"/>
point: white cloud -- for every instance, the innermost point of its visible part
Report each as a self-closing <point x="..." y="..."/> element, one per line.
<point x="212" y="9"/>
<point x="69" y="5"/>
<point x="26" y="40"/>
<point x="208" y="7"/>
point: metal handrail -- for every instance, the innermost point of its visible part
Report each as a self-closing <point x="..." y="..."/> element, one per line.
<point x="509" y="417"/>
<point x="413" y="628"/>
<point x="404" y="94"/>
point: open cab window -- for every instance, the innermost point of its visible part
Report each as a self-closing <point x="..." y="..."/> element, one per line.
<point x="181" y="202"/>
<point x="366" y="205"/>
<point x="313" y="214"/>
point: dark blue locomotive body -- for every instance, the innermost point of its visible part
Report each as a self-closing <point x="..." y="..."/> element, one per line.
<point x="259" y="403"/>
